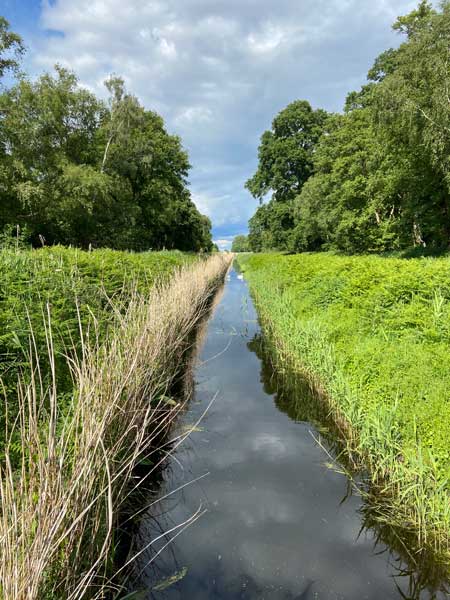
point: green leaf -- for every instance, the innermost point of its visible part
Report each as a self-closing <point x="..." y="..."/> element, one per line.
<point x="165" y="583"/>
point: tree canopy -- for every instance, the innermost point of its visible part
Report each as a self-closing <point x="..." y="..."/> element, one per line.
<point x="286" y="152"/>
<point x="11" y="49"/>
<point x="76" y="170"/>
<point x="378" y="175"/>
<point x="286" y="161"/>
<point x="240" y="244"/>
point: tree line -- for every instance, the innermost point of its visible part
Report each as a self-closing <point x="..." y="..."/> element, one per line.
<point x="77" y="170"/>
<point x="376" y="177"/>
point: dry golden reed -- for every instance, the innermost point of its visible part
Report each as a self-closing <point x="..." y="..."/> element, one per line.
<point x="59" y="509"/>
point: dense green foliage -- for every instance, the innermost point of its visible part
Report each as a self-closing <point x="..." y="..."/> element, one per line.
<point x="286" y="161"/>
<point x="68" y="290"/>
<point x="11" y="49"/>
<point x="286" y="152"/>
<point x="76" y="170"/>
<point x="375" y="332"/>
<point x="379" y="176"/>
<point x="240" y="244"/>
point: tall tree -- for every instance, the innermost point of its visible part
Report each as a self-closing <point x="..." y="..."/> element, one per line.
<point x="11" y="49"/>
<point x="240" y="244"/>
<point x="11" y="52"/>
<point x="352" y="202"/>
<point x="286" y="161"/>
<point x="271" y="227"/>
<point x="286" y="152"/>
<point x="77" y="171"/>
<point x="381" y="173"/>
<point x="155" y="166"/>
<point x="47" y="127"/>
<point x="412" y="105"/>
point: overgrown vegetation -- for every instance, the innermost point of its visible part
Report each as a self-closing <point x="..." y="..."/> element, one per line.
<point x="94" y="344"/>
<point x="240" y="244"/>
<point x="76" y="170"/>
<point x="376" y="177"/>
<point x="372" y="335"/>
<point x="79" y="292"/>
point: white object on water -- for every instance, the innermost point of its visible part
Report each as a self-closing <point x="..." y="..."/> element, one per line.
<point x="240" y="276"/>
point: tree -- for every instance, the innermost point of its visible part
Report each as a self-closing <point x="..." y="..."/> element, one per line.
<point x="155" y="166"/>
<point x="355" y="200"/>
<point x="11" y="49"/>
<point x="271" y="226"/>
<point x="11" y="52"/>
<point x="380" y="173"/>
<point x="77" y="171"/>
<point x="378" y="184"/>
<point x="124" y="115"/>
<point x="286" y="161"/>
<point x="240" y="244"/>
<point x="412" y="106"/>
<point x="286" y="152"/>
<point x="46" y="126"/>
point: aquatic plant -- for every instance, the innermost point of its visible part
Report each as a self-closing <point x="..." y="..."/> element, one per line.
<point x="60" y="504"/>
<point x="372" y="336"/>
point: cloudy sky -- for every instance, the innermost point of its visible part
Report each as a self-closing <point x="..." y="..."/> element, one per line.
<point x="217" y="70"/>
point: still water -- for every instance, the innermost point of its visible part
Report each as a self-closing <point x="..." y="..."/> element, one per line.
<point x="270" y="520"/>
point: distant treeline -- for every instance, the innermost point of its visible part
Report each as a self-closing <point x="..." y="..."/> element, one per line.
<point x="77" y="170"/>
<point x="375" y="178"/>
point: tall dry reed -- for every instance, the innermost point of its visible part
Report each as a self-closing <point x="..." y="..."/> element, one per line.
<point x="59" y="508"/>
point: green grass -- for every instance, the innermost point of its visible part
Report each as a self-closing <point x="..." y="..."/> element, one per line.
<point x="75" y="290"/>
<point x="95" y="346"/>
<point x="374" y="334"/>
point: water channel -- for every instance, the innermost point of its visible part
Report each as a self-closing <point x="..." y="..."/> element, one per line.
<point x="264" y="515"/>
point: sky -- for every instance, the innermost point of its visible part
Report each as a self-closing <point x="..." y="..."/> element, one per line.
<point x="218" y="71"/>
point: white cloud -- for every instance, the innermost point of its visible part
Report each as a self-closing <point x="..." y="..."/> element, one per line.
<point x="268" y="39"/>
<point x="167" y="48"/>
<point x="219" y="71"/>
<point x="224" y="244"/>
<point x="193" y="116"/>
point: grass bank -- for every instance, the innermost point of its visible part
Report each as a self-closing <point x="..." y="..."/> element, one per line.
<point x="372" y="335"/>
<point x="70" y="449"/>
<point x="79" y="292"/>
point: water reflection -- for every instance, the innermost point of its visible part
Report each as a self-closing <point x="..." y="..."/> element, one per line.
<point x="275" y="527"/>
<point x="293" y="395"/>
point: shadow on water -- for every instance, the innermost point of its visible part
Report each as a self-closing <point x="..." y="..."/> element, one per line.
<point x="275" y="523"/>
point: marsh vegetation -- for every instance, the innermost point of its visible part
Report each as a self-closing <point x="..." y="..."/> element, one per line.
<point x="89" y="403"/>
<point x="370" y="334"/>
<point x="107" y="269"/>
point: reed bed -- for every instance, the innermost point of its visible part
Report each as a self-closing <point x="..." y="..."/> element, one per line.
<point x="319" y="314"/>
<point x="77" y="286"/>
<point x="60" y="505"/>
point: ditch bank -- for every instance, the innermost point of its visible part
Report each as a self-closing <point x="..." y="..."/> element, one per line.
<point x="60" y="508"/>
<point x="369" y="336"/>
